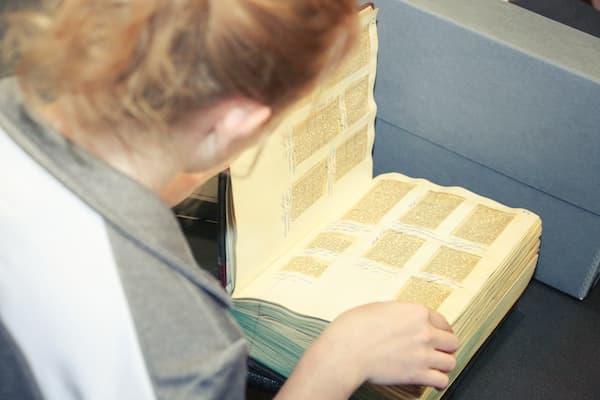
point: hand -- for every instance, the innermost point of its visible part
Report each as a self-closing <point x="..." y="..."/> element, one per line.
<point x="395" y="343"/>
<point x="383" y="343"/>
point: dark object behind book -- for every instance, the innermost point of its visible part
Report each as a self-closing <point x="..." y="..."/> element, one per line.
<point x="199" y="222"/>
<point x="575" y="13"/>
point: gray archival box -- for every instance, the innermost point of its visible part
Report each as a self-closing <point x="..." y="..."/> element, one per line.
<point x="489" y="96"/>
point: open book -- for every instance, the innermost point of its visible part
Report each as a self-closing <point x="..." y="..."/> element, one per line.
<point x="311" y="234"/>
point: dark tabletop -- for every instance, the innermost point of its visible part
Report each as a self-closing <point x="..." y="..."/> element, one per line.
<point x="575" y="13"/>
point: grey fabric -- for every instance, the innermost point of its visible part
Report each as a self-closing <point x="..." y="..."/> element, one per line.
<point x="192" y="350"/>
<point x="16" y="379"/>
<point x="191" y="345"/>
<point x="508" y="90"/>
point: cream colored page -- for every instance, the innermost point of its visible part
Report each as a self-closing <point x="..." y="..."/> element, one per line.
<point x="412" y="241"/>
<point x="317" y="160"/>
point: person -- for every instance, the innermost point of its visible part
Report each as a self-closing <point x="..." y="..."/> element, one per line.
<point x="117" y="109"/>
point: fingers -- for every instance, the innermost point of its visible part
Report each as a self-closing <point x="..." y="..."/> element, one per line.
<point x="445" y="341"/>
<point x="416" y="346"/>
<point x="439" y="321"/>
<point x="436" y="379"/>
<point x="442" y="362"/>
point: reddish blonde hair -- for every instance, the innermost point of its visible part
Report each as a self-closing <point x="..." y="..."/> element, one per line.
<point x="153" y="61"/>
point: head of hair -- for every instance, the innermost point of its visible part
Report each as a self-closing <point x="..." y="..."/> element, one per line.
<point x="154" y="61"/>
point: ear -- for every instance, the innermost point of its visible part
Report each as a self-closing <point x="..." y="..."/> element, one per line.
<point x="215" y="136"/>
<point x="240" y="123"/>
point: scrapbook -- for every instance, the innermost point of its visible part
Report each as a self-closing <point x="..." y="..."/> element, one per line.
<point x="308" y="232"/>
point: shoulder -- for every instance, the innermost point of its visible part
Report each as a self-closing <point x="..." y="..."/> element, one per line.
<point x="59" y="277"/>
<point x="107" y="298"/>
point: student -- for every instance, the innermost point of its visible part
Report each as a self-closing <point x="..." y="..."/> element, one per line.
<point x="115" y="104"/>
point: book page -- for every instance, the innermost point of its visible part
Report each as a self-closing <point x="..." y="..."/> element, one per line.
<point x="405" y="239"/>
<point x="317" y="160"/>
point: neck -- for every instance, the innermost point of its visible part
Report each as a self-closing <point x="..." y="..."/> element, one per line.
<point x="142" y="157"/>
<point x="144" y="161"/>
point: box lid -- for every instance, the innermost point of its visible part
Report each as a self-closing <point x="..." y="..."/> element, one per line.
<point x="499" y="85"/>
